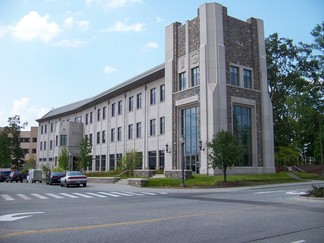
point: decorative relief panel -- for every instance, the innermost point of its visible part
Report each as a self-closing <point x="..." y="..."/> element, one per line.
<point x="194" y="59"/>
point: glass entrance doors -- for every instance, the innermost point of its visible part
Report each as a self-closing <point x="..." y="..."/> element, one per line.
<point x="191" y="133"/>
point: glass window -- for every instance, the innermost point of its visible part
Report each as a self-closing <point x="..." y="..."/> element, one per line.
<point x="242" y="129"/>
<point x="52" y="127"/>
<point x="139" y="130"/>
<point x="131" y="103"/>
<point x="182" y="81"/>
<point x="162" y="125"/>
<point x="153" y="96"/>
<point x="130" y="131"/>
<point x="103" y="135"/>
<point x="98" y="114"/>
<point x="90" y="138"/>
<point x="234" y="76"/>
<point x="139" y="101"/>
<point x="120" y="107"/>
<point x="97" y="162"/>
<point x="45" y="129"/>
<point x="161" y="159"/>
<point x="63" y="140"/>
<point x="111" y="162"/>
<point x="56" y="140"/>
<point x="152" y="127"/>
<point x="247" y="77"/>
<point x="103" y="162"/>
<point x="91" y="115"/>
<point x="162" y="92"/>
<point x="112" y="135"/>
<point x="78" y="119"/>
<point x="104" y="110"/>
<point x="113" y="109"/>
<point x="51" y="144"/>
<point x="119" y="134"/>
<point x="195" y="77"/>
<point x="152" y="160"/>
<point x="98" y="137"/>
<point x="87" y="119"/>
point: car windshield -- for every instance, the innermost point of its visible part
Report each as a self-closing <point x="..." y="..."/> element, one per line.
<point x="71" y="173"/>
<point x="57" y="174"/>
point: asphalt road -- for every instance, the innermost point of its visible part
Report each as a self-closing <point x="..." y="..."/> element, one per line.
<point x="120" y="213"/>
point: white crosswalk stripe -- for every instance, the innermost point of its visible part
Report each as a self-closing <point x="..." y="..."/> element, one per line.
<point x="23" y="196"/>
<point x="39" y="196"/>
<point x="7" y="197"/>
<point x="76" y="195"/>
<point x="54" y="195"/>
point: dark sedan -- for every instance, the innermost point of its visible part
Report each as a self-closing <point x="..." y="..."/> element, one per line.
<point x="54" y="178"/>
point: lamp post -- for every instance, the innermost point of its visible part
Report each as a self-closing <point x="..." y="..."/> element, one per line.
<point x="182" y="141"/>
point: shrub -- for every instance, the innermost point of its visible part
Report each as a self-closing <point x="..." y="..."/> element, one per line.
<point x="316" y="191"/>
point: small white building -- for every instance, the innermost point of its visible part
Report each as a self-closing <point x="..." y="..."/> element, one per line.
<point x="214" y="77"/>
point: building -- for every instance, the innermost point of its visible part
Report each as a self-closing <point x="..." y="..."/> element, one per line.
<point x="28" y="142"/>
<point x="214" y="77"/>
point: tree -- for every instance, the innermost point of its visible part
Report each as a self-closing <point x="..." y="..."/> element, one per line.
<point x="131" y="161"/>
<point x="224" y="151"/>
<point x="10" y="151"/>
<point x="84" y="157"/>
<point x="63" y="159"/>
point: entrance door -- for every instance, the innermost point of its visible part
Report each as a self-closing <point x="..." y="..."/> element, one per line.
<point x="190" y="131"/>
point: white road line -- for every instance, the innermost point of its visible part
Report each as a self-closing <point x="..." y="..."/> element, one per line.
<point x="39" y="196"/>
<point x="109" y="194"/>
<point x="68" y="195"/>
<point x="162" y="193"/>
<point x="149" y="193"/>
<point x="123" y="194"/>
<point x="7" y="197"/>
<point x="23" y="196"/>
<point x="133" y="193"/>
<point x="266" y="192"/>
<point x="81" y="195"/>
<point x="54" y="195"/>
<point x="94" y="194"/>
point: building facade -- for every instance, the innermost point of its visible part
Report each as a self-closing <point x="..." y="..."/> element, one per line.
<point x="214" y="78"/>
<point x="28" y="142"/>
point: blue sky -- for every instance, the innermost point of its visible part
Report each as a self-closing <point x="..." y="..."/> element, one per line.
<point x="56" y="52"/>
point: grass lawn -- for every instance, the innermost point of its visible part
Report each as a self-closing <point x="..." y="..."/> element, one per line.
<point x="203" y="181"/>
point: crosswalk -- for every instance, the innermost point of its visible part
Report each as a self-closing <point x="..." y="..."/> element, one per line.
<point x="76" y="195"/>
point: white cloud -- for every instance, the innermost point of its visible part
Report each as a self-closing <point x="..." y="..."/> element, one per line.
<point x="109" y="69"/>
<point x="110" y="4"/>
<point x="3" y="30"/>
<point x="69" y="23"/>
<point x="152" y="45"/>
<point x="83" y="25"/>
<point x="71" y="43"/>
<point x="158" y="19"/>
<point x="33" y="26"/>
<point x="123" y="27"/>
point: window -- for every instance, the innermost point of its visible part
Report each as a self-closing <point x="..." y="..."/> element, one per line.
<point x="161" y="159"/>
<point x="111" y="162"/>
<point x="152" y="127"/>
<point x="153" y="96"/>
<point x="242" y="129"/>
<point x="98" y="137"/>
<point x="56" y="140"/>
<point x="162" y="125"/>
<point x="162" y="92"/>
<point x="63" y="140"/>
<point x="113" y="109"/>
<point x="52" y="127"/>
<point x="139" y="130"/>
<point x="234" y="75"/>
<point x="247" y="78"/>
<point x="152" y="159"/>
<point x="195" y="77"/>
<point x="119" y="134"/>
<point x="87" y="119"/>
<point x="139" y="101"/>
<point x="45" y="145"/>
<point x="182" y="81"/>
<point x="97" y="162"/>
<point x="45" y="129"/>
<point x="42" y="129"/>
<point x="78" y="119"/>
<point x="130" y="131"/>
<point x="51" y="144"/>
<point x="103" y="162"/>
<point x="103" y="136"/>
<point x="91" y="117"/>
<point x="98" y="115"/>
<point x="112" y="135"/>
<point x="120" y="107"/>
<point x="90" y="138"/>
<point x="104" y="111"/>
<point x="131" y="103"/>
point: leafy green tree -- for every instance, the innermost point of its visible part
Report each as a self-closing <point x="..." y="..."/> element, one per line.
<point x="224" y="151"/>
<point x="131" y="161"/>
<point x="287" y="156"/>
<point x="5" y="157"/>
<point x="30" y="164"/>
<point x="63" y="159"/>
<point x="46" y="170"/>
<point x="84" y="157"/>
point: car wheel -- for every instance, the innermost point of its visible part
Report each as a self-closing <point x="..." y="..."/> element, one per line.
<point x="61" y="184"/>
<point x="66" y="185"/>
<point x="84" y="184"/>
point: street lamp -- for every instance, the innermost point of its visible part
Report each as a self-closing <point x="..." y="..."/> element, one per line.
<point x="182" y="141"/>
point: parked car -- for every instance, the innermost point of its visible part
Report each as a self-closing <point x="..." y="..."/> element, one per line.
<point x="4" y="175"/>
<point x="15" y="176"/>
<point x="73" y="178"/>
<point x="54" y="177"/>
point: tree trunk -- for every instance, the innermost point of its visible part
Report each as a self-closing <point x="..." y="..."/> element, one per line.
<point x="224" y="171"/>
